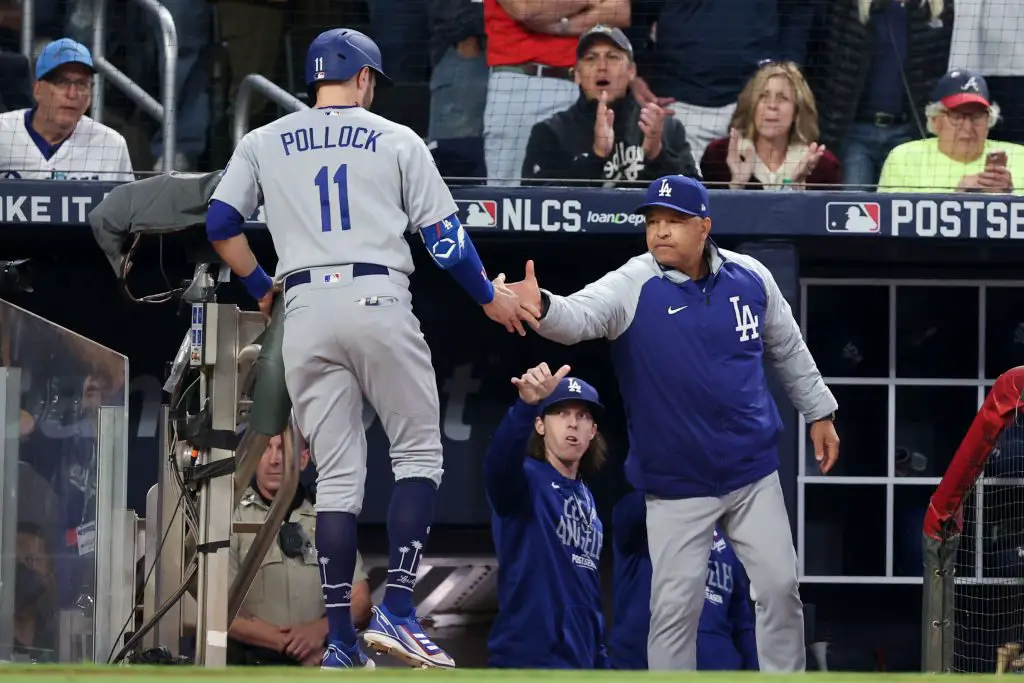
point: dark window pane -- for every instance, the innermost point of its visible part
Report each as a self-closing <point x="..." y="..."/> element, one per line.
<point x="910" y="502"/>
<point x="848" y="329"/>
<point x="937" y="332"/>
<point x="844" y="530"/>
<point x="930" y="424"/>
<point x="1004" y="329"/>
<point x="863" y="428"/>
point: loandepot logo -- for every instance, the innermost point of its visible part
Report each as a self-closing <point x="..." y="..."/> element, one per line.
<point x="614" y="218"/>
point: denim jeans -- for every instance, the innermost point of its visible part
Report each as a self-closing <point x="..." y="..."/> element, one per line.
<point x="458" y="94"/>
<point x="194" y="21"/>
<point x="864" y="151"/>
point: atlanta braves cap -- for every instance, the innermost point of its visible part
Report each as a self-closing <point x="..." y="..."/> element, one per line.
<point x="573" y="389"/>
<point x="60" y="52"/>
<point x="679" y="193"/>
<point x="960" y="86"/>
<point x="601" y="32"/>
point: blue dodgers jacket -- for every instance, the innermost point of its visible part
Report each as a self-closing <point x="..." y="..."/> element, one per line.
<point x="688" y="360"/>
<point x="548" y="540"/>
<point x="725" y="636"/>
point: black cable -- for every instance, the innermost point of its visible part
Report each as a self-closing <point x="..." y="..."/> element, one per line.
<point x="149" y="575"/>
<point x="190" y="573"/>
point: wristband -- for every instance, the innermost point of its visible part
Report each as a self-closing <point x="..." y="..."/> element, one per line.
<point x="257" y="283"/>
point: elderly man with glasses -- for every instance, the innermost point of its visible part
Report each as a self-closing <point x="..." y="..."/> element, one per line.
<point x="961" y="157"/>
<point x="55" y="140"/>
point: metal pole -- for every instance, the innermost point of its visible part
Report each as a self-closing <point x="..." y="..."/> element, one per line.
<point x="168" y="86"/>
<point x="272" y="91"/>
<point x="99" y="40"/>
<point x="28" y="27"/>
<point x="10" y="436"/>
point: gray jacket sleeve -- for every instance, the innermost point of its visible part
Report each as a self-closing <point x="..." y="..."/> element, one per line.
<point x="785" y="349"/>
<point x="602" y="310"/>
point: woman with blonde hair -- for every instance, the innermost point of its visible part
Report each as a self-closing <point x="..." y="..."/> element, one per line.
<point x="773" y="135"/>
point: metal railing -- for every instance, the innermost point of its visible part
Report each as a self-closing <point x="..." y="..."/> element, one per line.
<point x="272" y="91"/>
<point x="168" y="93"/>
<point x="28" y="24"/>
<point x="162" y="111"/>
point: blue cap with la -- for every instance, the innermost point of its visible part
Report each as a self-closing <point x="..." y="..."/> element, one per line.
<point x="679" y="193"/>
<point x="61" y="52"/>
<point x="573" y="389"/>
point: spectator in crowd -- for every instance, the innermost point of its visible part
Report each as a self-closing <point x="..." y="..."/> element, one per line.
<point x="725" y="635"/>
<point x="881" y="61"/>
<point x="547" y="535"/>
<point x="15" y="81"/>
<point x="772" y="137"/>
<point x="400" y="29"/>
<point x="531" y="47"/>
<point x="283" y="620"/>
<point x="35" y="614"/>
<point x="696" y="56"/>
<point x="960" y="157"/>
<point x="607" y="137"/>
<point x="987" y="40"/>
<point x="458" y="86"/>
<point x="55" y="139"/>
<point x="193" y="20"/>
<point x="251" y="31"/>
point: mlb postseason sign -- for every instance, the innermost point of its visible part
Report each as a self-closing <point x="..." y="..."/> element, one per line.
<point x="544" y="210"/>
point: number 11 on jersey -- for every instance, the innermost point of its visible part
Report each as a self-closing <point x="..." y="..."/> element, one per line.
<point x="323" y="183"/>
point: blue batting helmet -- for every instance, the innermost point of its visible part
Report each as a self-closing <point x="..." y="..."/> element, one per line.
<point x="339" y="54"/>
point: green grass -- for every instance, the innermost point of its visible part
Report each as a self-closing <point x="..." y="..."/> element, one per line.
<point x="176" y="674"/>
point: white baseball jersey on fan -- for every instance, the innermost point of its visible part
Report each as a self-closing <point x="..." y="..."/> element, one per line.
<point x="338" y="185"/>
<point x="92" y="152"/>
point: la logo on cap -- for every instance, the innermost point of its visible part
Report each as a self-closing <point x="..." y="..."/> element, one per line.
<point x="666" y="189"/>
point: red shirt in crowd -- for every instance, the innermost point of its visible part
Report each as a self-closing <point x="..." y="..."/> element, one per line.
<point x="510" y="42"/>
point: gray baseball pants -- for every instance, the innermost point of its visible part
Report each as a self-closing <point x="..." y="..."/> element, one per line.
<point x="680" y="534"/>
<point x="346" y="339"/>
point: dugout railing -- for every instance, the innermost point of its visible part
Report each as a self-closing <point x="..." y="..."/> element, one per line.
<point x="967" y="621"/>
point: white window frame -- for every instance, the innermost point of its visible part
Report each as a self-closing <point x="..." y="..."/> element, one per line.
<point x="891" y="481"/>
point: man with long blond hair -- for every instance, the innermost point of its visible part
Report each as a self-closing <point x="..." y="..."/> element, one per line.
<point x="547" y="534"/>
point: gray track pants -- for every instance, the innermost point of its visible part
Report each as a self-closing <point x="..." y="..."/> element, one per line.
<point x="680" y="534"/>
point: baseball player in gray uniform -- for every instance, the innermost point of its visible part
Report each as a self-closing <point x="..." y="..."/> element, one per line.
<point x="341" y="187"/>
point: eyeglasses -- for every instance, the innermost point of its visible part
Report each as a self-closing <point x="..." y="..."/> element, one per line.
<point x="974" y="116"/>
<point x="64" y="83"/>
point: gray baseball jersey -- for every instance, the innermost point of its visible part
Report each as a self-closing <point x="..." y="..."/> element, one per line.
<point x="338" y="185"/>
<point x="342" y="186"/>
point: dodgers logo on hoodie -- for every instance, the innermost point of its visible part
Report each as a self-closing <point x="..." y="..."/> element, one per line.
<point x="577" y="529"/>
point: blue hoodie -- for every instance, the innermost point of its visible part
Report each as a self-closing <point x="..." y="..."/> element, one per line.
<point x="725" y="636"/>
<point x="690" y="362"/>
<point x="548" y="539"/>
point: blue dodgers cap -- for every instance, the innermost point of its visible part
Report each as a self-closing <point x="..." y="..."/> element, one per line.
<point x="60" y="52"/>
<point x="679" y="193"/>
<point x="573" y="389"/>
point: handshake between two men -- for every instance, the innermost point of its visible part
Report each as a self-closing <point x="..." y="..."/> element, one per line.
<point x="516" y="302"/>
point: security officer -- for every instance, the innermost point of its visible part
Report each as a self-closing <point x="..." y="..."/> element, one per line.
<point x="282" y="620"/>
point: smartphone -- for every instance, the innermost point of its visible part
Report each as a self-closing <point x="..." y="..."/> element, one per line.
<point x="996" y="158"/>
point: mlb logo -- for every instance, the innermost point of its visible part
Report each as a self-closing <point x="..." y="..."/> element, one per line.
<point x="853" y="217"/>
<point x="332" y="277"/>
<point x="478" y="213"/>
<point x="319" y="76"/>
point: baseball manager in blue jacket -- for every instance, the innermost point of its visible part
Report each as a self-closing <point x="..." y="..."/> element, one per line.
<point x="690" y="325"/>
